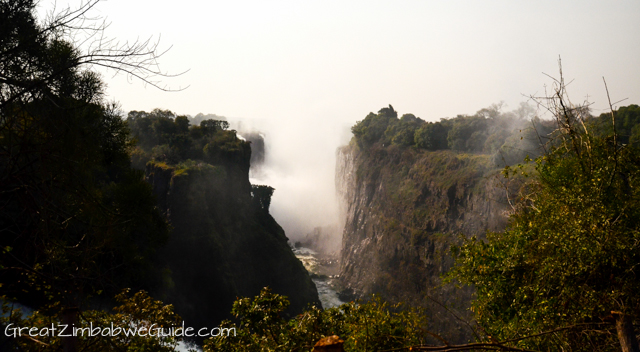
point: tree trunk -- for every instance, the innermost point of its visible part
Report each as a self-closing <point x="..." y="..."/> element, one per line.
<point x="626" y="335"/>
<point x="70" y="318"/>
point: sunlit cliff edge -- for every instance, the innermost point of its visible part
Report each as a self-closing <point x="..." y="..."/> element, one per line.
<point x="402" y="207"/>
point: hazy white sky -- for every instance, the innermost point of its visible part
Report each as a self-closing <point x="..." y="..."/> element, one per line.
<point x="309" y="69"/>
<point x="338" y="60"/>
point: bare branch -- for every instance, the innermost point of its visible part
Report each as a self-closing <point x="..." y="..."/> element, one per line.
<point x="494" y="345"/>
<point x="613" y="117"/>
<point x="137" y="60"/>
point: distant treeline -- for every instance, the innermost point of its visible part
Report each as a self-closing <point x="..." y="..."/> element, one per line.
<point x="509" y="137"/>
<point x="166" y="137"/>
<point x="627" y="124"/>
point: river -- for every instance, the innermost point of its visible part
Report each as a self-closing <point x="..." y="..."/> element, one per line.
<point x="323" y="271"/>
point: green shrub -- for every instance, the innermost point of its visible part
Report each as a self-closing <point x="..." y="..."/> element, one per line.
<point x="370" y="326"/>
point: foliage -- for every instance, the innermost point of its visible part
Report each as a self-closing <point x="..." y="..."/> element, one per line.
<point x="570" y="253"/>
<point x="373" y="127"/>
<point x="226" y="148"/>
<point x="261" y="195"/>
<point x="528" y="141"/>
<point x="212" y="126"/>
<point x="627" y="124"/>
<point x="365" y="326"/>
<point x="162" y="136"/>
<point x="401" y="132"/>
<point x="135" y="311"/>
<point x="76" y="220"/>
<point x="467" y="133"/>
<point x="431" y="136"/>
<point x="507" y="136"/>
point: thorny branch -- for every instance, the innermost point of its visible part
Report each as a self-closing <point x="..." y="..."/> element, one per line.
<point x="137" y="60"/>
<point x="491" y="346"/>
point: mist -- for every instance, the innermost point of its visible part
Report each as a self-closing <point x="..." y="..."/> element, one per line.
<point x="300" y="161"/>
<point x="300" y="164"/>
<point x="304" y="72"/>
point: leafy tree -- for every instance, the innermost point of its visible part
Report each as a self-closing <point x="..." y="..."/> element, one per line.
<point x="432" y="136"/>
<point x="401" y="132"/>
<point x="139" y="124"/>
<point x="138" y="311"/>
<point x="634" y="139"/>
<point x="225" y="148"/>
<point x="262" y="196"/>
<point x="162" y="136"/>
<point x="496" y="140"/>
<point x="487" y="131"/>
<point x="371" y="130"/>
<point x="182" y="145"/>
<point x="626" y="124"/>
<point x="365" y="326"/>
<point x="164" y="128"/>
<point x="468" y="133"/>
<point x="196" y="120"/>
<point x="526" y="141"/>
<point x="75" y="220"/>
<point x="182" y="124"/>
<point x="569" y="256"/>
<point x="210" y="127"/>
<point x="164" y="153"/>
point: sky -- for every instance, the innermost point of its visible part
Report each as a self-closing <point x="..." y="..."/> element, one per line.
<point x="305" y="71"/>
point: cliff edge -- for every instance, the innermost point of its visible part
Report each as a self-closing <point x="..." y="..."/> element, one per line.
<point x="402" y="209"/>
<point x="224" y="243"/>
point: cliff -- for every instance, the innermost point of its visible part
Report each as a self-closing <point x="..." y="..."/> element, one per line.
<point x="224" y="244"/>
<point x="402" y="209"/>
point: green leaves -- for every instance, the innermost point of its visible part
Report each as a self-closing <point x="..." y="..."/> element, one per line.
<point x="570" y="252"/>
<point x="370" y="326"/>
<point x="79" y="219"/>
<point x="110" y="328"/>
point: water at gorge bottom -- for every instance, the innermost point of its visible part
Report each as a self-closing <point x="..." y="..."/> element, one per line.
<point x="323" y="271"/>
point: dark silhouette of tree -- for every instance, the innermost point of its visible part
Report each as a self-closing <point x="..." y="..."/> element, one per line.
<point x="210" y="127"/>
<point x="75" y="220"/>
<point x="262" y="196"/>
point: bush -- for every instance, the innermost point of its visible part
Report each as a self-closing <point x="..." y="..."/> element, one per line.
<point x="371" y="326"/>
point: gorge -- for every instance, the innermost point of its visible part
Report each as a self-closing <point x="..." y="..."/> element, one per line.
<point x="403" y="209"/>
<point x="224" y="243"/>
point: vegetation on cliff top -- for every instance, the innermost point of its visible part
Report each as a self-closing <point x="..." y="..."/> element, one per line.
<point x="558" y="278"/>
<point x="568" y="259"/>
<point x="163" y="136"/>
<point x="509" y="137"/>
<point x="78" y="222"/>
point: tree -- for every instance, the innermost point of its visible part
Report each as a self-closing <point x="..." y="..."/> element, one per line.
<point x="182" y="123"/>
<point x="210" y="127"/>
<point x="138" y="312"/>
<point x="75" y="220"/>
<point x="39" y="61"/>
<point x="261" y="197"/>
<point x="468" y="133"/>
<point x="365" y="326"/>
<point x="570" y="254"/>
<point x="401" y="132"/>
<point x="431" y="136"/>
<point x="627" y="122"/>
<point x="372" y="129"/>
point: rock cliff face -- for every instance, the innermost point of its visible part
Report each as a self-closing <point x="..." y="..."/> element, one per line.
<point x="223" y="245"/>
<point x="402" y="210"/>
